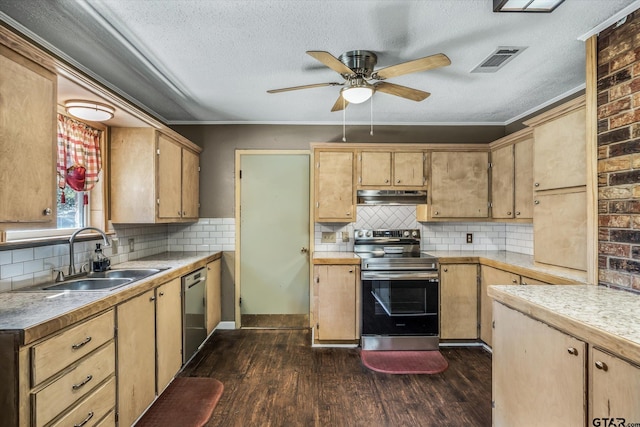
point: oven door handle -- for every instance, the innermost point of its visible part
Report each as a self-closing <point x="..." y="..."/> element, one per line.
<point x="409" y="275"/>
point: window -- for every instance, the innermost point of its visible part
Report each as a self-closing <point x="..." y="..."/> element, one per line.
<point x="72" y="208"/>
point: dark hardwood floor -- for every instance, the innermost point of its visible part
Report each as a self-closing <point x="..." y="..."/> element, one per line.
<point x="275" y="378"/>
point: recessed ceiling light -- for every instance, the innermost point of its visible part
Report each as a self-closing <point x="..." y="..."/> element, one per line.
<point x="525" y="5"/>
<point x="89" y="110"/>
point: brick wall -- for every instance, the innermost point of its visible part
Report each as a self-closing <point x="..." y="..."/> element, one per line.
<point x="619" y="154"/>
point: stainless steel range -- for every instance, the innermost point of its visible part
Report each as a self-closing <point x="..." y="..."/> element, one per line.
<point x="400" y="291"/>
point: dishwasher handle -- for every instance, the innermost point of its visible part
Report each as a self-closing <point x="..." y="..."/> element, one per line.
<point x="202" y="279"/>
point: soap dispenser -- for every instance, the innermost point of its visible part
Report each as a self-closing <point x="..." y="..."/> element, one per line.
<point x="99" y="262"/>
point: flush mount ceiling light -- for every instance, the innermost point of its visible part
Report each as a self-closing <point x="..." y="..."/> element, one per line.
<point x="357" y="92"/>
<point x="89" y="110"/>
<point x="525" y="5"/>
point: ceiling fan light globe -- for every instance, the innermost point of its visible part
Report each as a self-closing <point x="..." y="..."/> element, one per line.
<point x="356" y="95"/>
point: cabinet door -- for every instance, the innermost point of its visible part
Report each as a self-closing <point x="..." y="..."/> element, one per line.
<point x="502" y="182"/>
<point x="560" y="229"/>
<point x="459" y="185"/>
<point x="491" y="276"/>
<point x="538" y="374"/>
<point x="169" y="179"/>
<point x="136" y="356"/>
<point x="334" y="186"/>
<point x="375" y="168"/>
<point x="613" y="386"/>
<point x="560" y="152"/>
<point x="523" y="180"/>
<point x="190" y="184"/>
<point x="337" y="302"/>
<point x="213" y="295"/>
<point x="408" y="169"/>
<point x="27" y="127"/>
<point x="168" y="332"/>
<point x="459" y="301"/>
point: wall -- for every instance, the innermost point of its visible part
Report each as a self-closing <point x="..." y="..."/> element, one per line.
<point x="619" y="154"/>
<point x="219" y="143"/>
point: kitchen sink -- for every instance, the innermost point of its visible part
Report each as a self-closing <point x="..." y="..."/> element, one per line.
<point x="104" y="280"/>
<point x="90" y="284"/>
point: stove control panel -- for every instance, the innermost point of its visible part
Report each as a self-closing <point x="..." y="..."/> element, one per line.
<point x="364" y="234"/>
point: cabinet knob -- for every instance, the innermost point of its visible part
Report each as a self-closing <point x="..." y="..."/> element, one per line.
<point x="445" y="269"/>
<point x="509" y="213"/>
<point x="161" y="294"/>
<point x="537" y="184"/>
<point x="573" y="351"/>
<point x="178" y="213"/>
<point x="47" y="211"/>
<point x="514" y="280"/>
<point x="348" y="214"/>
<point x="398" y="182"/>
<point x="601" y="365"/>
<point x="351" y="271"/>
<point x="152" y="299"/>
<point x="436" y="213"/>
<point x="536" y="202"/>
<point x="184" y="213"/>
<point x="386" y="181"/>
<point x="517" y="213"/>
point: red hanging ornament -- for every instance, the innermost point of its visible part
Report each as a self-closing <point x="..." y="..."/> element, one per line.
<point x="63" y="199"/>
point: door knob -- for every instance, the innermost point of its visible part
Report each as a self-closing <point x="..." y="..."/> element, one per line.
<point x="304" y="250"/>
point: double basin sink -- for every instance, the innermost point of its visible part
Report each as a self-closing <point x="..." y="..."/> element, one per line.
<point x="104" y="281"/>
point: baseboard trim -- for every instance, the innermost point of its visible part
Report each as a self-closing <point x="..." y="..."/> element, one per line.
<point x="229" y="324"/>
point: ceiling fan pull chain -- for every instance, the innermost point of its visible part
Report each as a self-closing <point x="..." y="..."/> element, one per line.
<point x="371" y="115"/>
<point x="344" y="119"/>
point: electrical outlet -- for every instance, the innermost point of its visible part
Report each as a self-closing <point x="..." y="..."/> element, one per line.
<point x="114" y="246"/>
<point x="132" y="246"/>
<point x="469" y="237"/>
<point x="345" y="236"/>
<point x="328" y="237"/>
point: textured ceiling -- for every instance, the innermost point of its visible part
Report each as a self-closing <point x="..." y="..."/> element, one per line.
<point x="206" y="61"/>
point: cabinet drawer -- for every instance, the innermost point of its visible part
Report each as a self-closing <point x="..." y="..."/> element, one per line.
<point x="74" y="385"/>
<point x="56" y="353"/>
<point x="93" y="408"/>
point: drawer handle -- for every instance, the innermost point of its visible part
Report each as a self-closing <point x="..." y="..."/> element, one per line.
<point x="79" y="385"/>
<point x="601" y="365"/>
<point x="572" y="350"/>
<point x="81" y="344"/>
<point x="86" y="420"/>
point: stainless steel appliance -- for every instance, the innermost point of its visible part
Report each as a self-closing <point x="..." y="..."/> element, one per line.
<point x="400" y="291"/>
<point x="194" y="330"/>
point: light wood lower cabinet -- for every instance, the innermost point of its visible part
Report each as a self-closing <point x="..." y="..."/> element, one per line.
<point x="93" y="409"/>
<point x="491" y="276"/>
<point x="614" y="387"/>
<point x="136" y="357"/>
<point x="168" y="332"/>
<point x="538" y="373"/>
<point x="337" y="296"/>
<point x="459" y="301"/>
<point x="213" y="296"/>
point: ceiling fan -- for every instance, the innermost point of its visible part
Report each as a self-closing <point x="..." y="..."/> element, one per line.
<point x="356" y="68"/>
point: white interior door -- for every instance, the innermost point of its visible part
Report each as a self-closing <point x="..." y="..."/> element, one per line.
<point x="274" y="229"/>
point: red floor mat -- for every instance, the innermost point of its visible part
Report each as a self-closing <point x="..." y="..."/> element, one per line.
<point x="404" y="362"/>
<point x="187" y="402"/>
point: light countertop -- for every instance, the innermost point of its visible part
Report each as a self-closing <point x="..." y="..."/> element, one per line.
<point x="603" y="317"/>
<point x="34" y="313"/>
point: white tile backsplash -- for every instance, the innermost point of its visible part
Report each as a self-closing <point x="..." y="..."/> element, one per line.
<point x="208" y="234"/>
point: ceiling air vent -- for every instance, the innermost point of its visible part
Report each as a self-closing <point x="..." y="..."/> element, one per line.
<point x="498" y="59"/>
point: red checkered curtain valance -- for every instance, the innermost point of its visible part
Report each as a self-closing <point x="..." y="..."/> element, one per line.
<point x="79" y="160"/>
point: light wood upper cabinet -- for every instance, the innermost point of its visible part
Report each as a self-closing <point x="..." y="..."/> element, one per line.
<point x="459" y="301"/>
<point x="168" y="332"/>
<point x="213" y="297"/>
<point x="459" y="185"/>
<point x="393" y="169"/>
<point x="336" y="293"/>
<point x="538" y="374"/>
<point x="154" y="178"/>
<point x="334" y="191"/>
<point x="523" y="179"/>
<point x="27" y="142"/>
<point x="502" y="182"/>
<point x="136" y="357"/>
<point x="613" y="387"/>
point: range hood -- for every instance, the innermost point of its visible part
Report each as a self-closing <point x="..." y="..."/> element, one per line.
<point x="392" y="197"/>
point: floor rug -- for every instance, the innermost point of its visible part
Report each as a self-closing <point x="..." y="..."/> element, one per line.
<point x="404" y="362"/>
<point x="187" y="402"/>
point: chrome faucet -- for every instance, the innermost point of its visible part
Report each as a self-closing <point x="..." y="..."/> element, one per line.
<point x="72" y="239"/>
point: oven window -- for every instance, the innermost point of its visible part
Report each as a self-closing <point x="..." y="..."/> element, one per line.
<point x="403" y="297"/>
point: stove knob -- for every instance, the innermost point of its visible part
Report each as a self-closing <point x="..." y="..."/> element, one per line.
<point x="359" y="233"/>
<point x="369" y="233"/>
<point x="414" y="233"/>
<point x="406" y="233"/>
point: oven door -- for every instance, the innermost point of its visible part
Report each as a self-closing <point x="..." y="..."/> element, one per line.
<point x="399" y="303"/>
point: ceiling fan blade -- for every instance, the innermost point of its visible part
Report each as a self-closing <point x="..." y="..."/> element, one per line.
<point x="330" y="61"/>
<point x="286" y="89"/>
<point x="340" y="104"/>
<point x="422" y="64"/>
<point x="402" y="91"/>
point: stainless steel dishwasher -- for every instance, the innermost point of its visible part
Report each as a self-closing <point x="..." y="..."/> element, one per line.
<point x="193" y="309"/>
